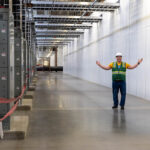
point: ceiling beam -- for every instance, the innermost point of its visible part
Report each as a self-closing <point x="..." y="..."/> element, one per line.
<point x="68" y="19"/>
<point x="74" y="6"/>
<point x="58" y="31"/>
<point x="62" y="26"/>
<point x="58" y="35"/>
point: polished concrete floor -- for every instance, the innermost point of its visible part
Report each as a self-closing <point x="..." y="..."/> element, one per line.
<point x="72" y="114"/>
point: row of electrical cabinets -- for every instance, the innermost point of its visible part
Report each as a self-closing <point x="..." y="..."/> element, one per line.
<point x="16" y="61"/>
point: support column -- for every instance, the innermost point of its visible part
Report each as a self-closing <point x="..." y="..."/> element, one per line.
<point x="55" y="57"/>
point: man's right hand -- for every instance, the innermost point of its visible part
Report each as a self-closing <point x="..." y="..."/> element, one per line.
<point x="103" y="67"/>
<point x="97" y="62"/>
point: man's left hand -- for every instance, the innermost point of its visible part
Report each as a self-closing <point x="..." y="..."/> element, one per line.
<point x="140" y="60"/>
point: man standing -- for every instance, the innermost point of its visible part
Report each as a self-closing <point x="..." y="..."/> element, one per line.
<point x="119" y="78"/>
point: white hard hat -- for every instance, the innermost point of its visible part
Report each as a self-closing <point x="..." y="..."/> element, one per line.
<point x="118" y="54"/>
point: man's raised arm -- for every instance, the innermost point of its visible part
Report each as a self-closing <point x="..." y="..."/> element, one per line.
<point x="103" y="67"/>
<point x="138" y="63"/>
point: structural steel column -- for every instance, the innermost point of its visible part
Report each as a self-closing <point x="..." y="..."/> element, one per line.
<point x="55" y="57"/>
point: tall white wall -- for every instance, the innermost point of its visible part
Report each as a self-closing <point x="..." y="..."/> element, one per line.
<point x="127" y="30"/>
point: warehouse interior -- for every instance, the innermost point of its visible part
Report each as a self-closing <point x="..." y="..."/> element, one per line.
<point x="52" y="93"/>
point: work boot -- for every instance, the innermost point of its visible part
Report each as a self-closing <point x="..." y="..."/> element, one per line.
<point x="114" y="107"/>
<point x="122" y="107"/>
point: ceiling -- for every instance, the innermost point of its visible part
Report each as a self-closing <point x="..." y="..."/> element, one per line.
<point x="57" y="22"/>
<point x="63" y="18"/>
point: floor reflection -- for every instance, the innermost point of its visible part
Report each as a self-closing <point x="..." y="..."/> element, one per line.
<point x="119" y="121"/>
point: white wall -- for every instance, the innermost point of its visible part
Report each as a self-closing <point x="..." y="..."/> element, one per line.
<point x="127" y="30"/>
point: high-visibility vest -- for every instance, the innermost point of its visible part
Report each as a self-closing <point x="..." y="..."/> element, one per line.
<point x="119" y="73"/>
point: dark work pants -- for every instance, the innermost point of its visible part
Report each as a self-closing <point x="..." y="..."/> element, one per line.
<point x="116" y="86"/>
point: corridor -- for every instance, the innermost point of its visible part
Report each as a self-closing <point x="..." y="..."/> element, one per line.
<point x="73" y="114"/>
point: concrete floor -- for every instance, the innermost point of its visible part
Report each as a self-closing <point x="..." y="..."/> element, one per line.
<point x="72" y="114"/>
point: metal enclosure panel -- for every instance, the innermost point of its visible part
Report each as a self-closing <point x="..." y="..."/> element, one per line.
<point x="17" y="59"/>
<point x="18" y="78"/>
<point x="6" y="61"/>
<point x="3" y="31"/>
<point x="17" y="90"/>
<point x="11" y="57"/>
<point x="22" y="62"/>
<point x="17" y="63"/>
<point x="4" y="15"/>
<point x="17" y="50"/>
<point x="3" y="54"/>
<point x="4" y="80"/>
<point x="4" y="108"/>
<point x="18" y="74"/>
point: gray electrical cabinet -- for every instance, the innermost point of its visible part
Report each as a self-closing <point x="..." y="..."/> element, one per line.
<point x="6" y="62"/>
<point x="24" y="59"/>
<point x="17" y="63"/>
